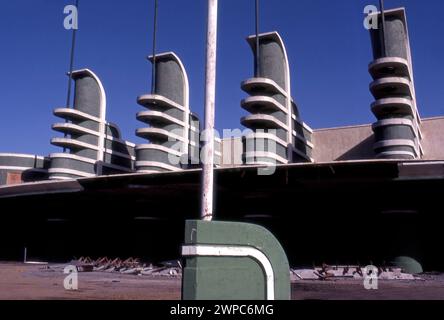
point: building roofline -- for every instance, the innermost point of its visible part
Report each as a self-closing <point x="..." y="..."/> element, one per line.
<point x="369" y="125"/>
<point x="433" y="118"/>
<point x="342" y="127"/>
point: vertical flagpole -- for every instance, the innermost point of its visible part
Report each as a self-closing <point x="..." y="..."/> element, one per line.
<point x="257" y="56"/>
<point x="210" y="102"/>
<point x="154" y="69"/>
<point x="383" y="44"/>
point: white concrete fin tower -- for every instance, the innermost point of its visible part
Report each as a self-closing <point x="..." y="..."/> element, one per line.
<point x="271" y="107"/>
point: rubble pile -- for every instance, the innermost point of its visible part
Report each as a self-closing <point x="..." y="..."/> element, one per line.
<point x="348" y="272"/>
<point x="131" y="266"/>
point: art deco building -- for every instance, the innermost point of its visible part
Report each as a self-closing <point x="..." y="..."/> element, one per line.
<point x="272" y="108"/>
<point x="351" y="207"/>
<point x="398" y="127"/>
<point x="92" y="146"/>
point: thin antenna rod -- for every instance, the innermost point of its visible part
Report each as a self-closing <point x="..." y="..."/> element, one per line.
<point x="71" y="63"/>
<point x="154" y="69"/>
<point x="383" y="43"/>
<point x="210" y="107"/>
<point x="257" y="58"/>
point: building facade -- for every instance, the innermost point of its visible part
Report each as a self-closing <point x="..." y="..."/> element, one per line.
<point x="276" y="133"/>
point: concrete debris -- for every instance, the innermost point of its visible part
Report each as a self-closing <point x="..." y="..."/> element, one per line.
<point x="130" y="266"/>
<point x="83" y="264"/>
<point x="38" y="263"/>
<point x="131" y="271"/>
<point x="305" y="274"/>
<point x="347" y="272"/>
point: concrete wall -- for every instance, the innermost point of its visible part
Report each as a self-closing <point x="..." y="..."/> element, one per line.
<point x="433" y="138"/>
<point x="356" y="143"/>
<point x="344" y="143"/>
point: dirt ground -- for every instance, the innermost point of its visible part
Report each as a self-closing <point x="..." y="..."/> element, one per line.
<point x="33" y="282"/>
<point x="36" y="282"/>
<point x="430" y="289"/>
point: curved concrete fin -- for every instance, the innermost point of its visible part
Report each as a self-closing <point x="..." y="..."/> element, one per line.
<point x="90" y="96"/>
<point x="272" y="107"/>
<point x="169" y="124"/>
<point x="273" y="59"/>
<point x="94" y="146"/>
<point x="171" y="78"/>
<point x="394" y="91"/>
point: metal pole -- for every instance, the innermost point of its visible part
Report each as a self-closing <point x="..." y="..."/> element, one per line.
<point x="154" y="69"/>
<point x="71" y="63"/>
<point x="71" y="67"/>
<point x="383" y="44"/>
<point x="257" y="57"/>
<point x="210" y="101"/>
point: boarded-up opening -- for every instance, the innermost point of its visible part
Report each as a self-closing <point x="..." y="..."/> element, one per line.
<point x="14" y="178"/>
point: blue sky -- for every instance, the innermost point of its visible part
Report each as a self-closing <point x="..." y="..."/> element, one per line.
<point x="329" y="51"/>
